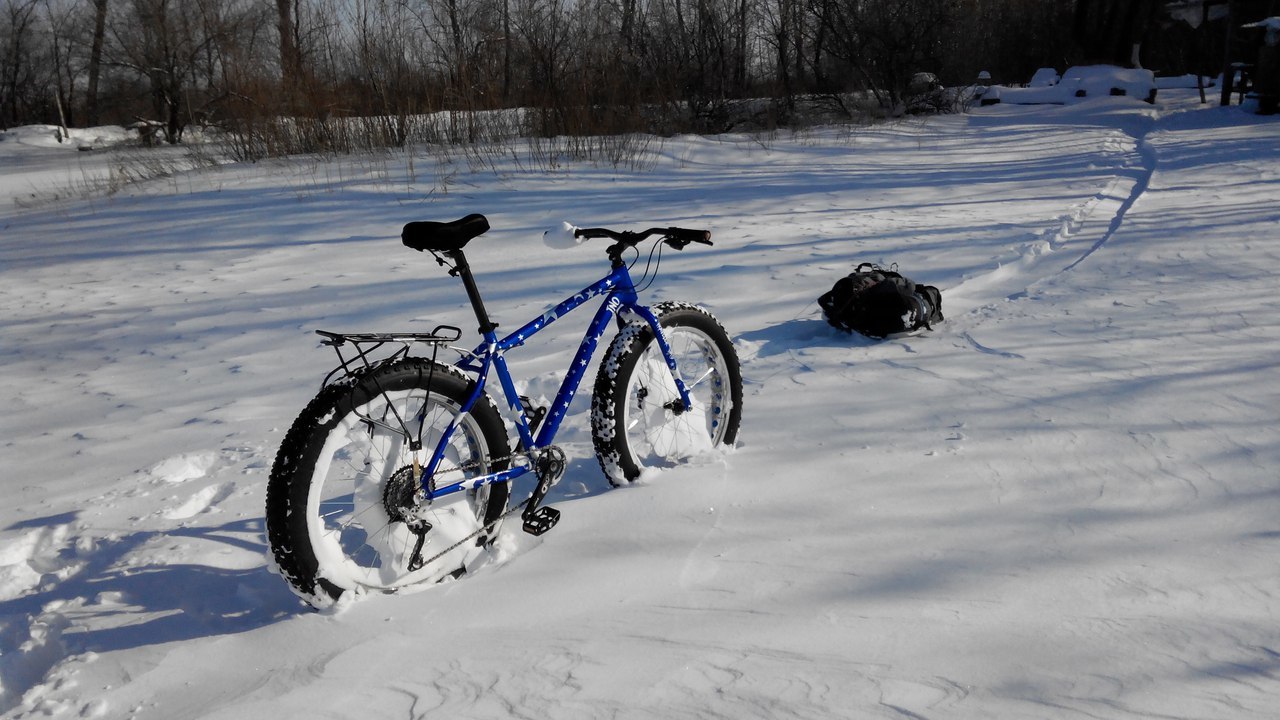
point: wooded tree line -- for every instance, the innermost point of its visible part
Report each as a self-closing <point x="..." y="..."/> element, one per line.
<point x="577" y="66"/>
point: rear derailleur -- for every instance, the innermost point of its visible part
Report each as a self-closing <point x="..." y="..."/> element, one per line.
<point x="401" y="498"/>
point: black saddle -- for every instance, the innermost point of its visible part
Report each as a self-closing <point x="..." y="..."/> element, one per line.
<point x="444" y="236"/>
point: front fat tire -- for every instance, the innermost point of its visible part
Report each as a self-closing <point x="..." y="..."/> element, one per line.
<point x="327" y="522"/>
<point x="631" y="428"/>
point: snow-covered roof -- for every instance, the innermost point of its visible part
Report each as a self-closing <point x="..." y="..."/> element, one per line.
<point x="1086" y="81"/>
<point x="1271" y="25"/>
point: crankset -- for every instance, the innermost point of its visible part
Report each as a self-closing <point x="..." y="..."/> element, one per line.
<point x="549" y="466"/>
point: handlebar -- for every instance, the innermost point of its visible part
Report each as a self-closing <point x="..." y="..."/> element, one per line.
<point x="676" y="237"/>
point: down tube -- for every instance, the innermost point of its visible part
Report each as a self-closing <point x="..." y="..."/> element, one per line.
<point x="581" y="360"/>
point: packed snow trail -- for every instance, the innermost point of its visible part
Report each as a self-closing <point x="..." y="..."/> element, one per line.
<point x="1140" y="184"/>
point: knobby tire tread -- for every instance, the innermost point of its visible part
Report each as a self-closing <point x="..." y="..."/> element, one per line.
<point x="611" y="444"/>
<point x="290" y="482"/>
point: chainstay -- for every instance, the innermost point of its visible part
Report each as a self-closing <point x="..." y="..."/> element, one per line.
<point x="476" y="464"/>
<point x="493" y="523"/>
<point x="487" y="526"/>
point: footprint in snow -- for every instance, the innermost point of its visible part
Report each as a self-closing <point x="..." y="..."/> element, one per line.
<point x="186" y="467"/>
<point x="33" y="558"/>
<point x="181" y="468"/>
<point x="200" y="501"/>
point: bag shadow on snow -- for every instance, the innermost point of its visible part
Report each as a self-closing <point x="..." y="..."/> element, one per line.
<point x="797" y="334"/>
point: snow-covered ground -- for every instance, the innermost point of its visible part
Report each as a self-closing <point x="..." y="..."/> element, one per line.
<point x="1061" y="503"/>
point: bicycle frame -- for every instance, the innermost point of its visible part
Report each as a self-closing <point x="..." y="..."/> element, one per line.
<point x="489" y="358"/>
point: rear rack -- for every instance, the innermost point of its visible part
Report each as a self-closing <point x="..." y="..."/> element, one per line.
<point x="366" y="344"/>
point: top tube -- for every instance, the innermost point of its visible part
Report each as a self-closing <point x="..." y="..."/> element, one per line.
<point x="619" y="278"/>
<point x="618" y="281"/>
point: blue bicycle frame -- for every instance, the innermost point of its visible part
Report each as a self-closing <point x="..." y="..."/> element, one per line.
<point x="488" y="357"/>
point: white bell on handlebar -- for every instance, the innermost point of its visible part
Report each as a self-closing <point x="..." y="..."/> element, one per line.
<point x="561" y="238"/>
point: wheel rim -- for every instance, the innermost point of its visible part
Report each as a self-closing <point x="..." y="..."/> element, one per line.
<point x="355" y="541"/>
<point x="658" y="436"/>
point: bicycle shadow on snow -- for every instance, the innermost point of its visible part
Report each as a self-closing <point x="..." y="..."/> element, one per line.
<point x="106" y="588"/>
<point x="117" y="593"/>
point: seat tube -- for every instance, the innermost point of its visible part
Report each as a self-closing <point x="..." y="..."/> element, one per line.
<point x="463" y="270"/>
<point x="513" y="399"/>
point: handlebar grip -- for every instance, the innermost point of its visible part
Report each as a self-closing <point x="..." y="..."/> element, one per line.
<point x="687" y="235"/>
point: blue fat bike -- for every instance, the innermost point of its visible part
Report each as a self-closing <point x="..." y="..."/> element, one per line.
<point x="400" y="471"/>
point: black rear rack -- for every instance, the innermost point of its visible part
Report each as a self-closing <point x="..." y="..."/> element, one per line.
<point x="366" y="344"/>
<point x="442" y="334"/>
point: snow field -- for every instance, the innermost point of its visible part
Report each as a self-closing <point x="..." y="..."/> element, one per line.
<point x="1061" y="503"/>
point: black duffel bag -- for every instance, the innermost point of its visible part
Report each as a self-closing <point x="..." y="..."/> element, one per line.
<point x="878" y="302"/>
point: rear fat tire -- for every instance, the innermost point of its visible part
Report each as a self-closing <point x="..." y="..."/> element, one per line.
<point x="327" y="522"/>
<point x="631" y="429"/>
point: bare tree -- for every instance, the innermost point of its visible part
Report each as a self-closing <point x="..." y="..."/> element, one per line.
<point x="886" y="43"/>
<point x="579" y="66"/>
<point x="290" y="61"/>
<point x="1113" y="32"/>
<point x="181" y="49"/>
<point x="95" y="61"/>
<point x="19" y="93"/>
<point x="62" y="32"/>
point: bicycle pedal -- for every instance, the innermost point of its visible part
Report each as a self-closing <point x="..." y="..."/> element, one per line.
<point x="535" y="414"/>
<point x="541" y="520"/>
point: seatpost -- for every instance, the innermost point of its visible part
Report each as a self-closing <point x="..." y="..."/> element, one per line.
<point x="463" y="270"/>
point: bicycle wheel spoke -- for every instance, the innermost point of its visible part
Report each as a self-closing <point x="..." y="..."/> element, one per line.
<point x="360" y="472"/>
<point x="690" y="386"/>
<point x="637" y="419"/>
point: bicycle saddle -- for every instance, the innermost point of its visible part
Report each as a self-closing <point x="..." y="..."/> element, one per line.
<point x="444" y="236"/>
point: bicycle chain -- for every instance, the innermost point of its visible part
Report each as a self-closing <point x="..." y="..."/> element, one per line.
<point x="476" y="464"/>
<point x="487" y="526"/>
